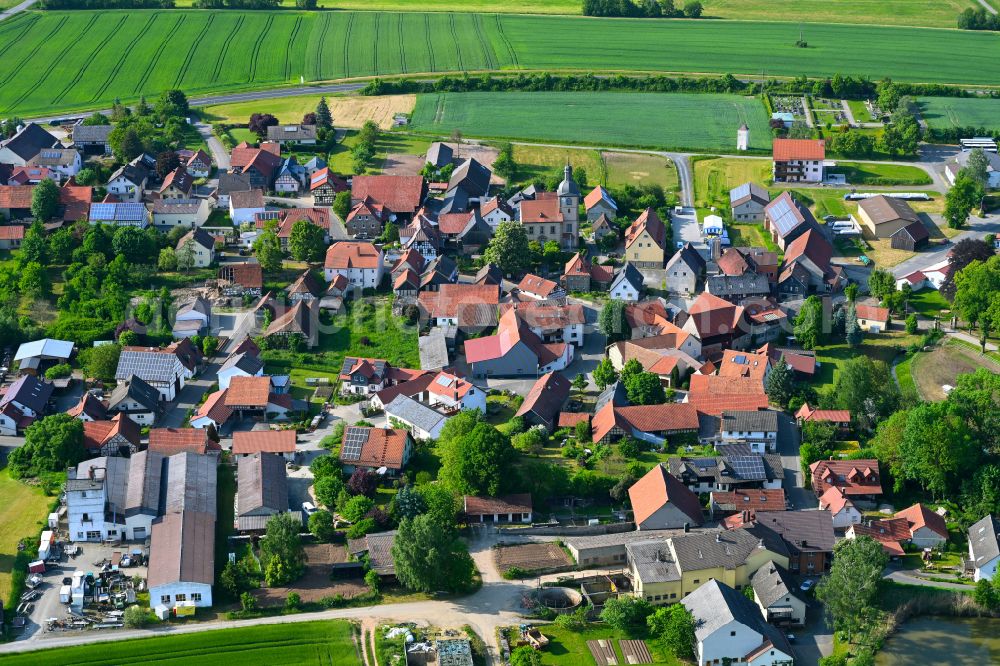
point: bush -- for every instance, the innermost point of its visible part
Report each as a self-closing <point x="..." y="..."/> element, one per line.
<point x="361" y="528"/>
<point x="137" y="617"/>
<point x="357" y="507"/>
<point x="293" y="601"/>
<point x="513" y="573"/>
<point x="248" y="602"/>
<point x="59" y="371"/>
<point x="373" y="581"/>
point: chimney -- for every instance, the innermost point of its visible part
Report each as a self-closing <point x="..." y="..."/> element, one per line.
<point x="687" y="528"/>
<point x="90" y="473"/>
<point x="760" y="543"/>
<point x="718" y="538"/>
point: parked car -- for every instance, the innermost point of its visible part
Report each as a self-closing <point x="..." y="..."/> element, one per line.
<point x="807" y="585"/>
<point x="308" y="508"/>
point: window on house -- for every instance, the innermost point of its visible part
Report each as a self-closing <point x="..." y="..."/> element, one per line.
<point x="196" y="596"/>
<point x="165" y="599"/>
<point x="180" y="597"/>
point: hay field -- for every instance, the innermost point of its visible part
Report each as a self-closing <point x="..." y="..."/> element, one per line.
<point x="350" y="112"/>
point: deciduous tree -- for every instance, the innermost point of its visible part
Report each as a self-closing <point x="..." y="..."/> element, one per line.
<point x="428" y="557"/>
<point x="45" y="200"/>
<point x="51" y="444"/>
<point x="307" y="242"/>
<point x="508" y="248"/>
<point x="604" y="374"/>
<point x="849" y="591"/>
<point x="281" y="550"/>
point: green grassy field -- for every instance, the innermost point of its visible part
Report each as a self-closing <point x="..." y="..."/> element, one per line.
<point x="939" y="14"/>
<point x="714" y="178"/>
<point x="882" y="174"/>
<point x="194" y="50"/>
<point x="321" y="643"/>
<point x="699" y="122"/>
<point x="22" y="514"/>
<point x="945" y="112"/>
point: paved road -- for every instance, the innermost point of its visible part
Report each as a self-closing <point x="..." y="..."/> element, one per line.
<point x="788" y="448"/>
<point x="190" y="396"/>
<point x="219" y="153"/>
<point x="25" y="5"/>
<point x="978" y="228"/>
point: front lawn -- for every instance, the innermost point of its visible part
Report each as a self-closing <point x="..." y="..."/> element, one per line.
<point x="880" y="347"/>
<point x="882" y="174"/>
<point x="22" y="514"/>
<point x="928" y="303"/>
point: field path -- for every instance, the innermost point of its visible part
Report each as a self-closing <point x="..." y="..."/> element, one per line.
<point x="988" y="7"/>
<point x="28" y="3"/>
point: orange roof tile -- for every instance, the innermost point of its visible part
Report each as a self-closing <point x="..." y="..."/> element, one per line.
<point x="798" y="149"/>
<point x="349" y="254"/>
<point x="651" y="223"/>
<point x="263" y="441"/>
<point x="919" y="516"/>
<point x="657" y="488"/>
<point x="248" y="392"/>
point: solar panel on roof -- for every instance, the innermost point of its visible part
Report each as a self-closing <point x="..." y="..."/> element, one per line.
<point x="354" y="439"/>
<point x="444" y="380"/>
<point x="748" y="467"/>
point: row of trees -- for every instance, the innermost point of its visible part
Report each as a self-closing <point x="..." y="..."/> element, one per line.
<point x="978" y="19"/>
<point x="642" y="9"/>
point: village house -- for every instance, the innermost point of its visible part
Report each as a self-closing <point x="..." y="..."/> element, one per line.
<point x="515" y="351"/>
<point x="423" y="237"/>
<point x="129" y="182"/>
<point x="758" y="428"/>
<point x="61" y="163"/>
<point x="242" y="364"/>
<point x="839" y="417"/>
<point x="366" y="219"/>
<point x="293" y="135"/>
<point x="857" y="479"/>
<point x="25" y="401"/>
<point x="684" y="270"/>
<point x="199" y="164"/>
<point x="807" y="268"/>
<point x="188" y="213"/>
<point x="242" y="279"/>
<point x="229" y="183"/>
<point x="193" y="316"/>
<point x="580" y="274"/>
<point x="385" y="450"/>
<point x="551" y="322"/>
<point x="259" y="164"/>
<point x="201" y="246"/>
<point x="136" y="398"/>
<point x="494" y="211"/>
<point x="912" y="237"/>
<point x="665" y="570"/>
<point x="651" y="424"/>
<point x="661" y="354"/>
<point x="422" y="421"/>
<point x="627" y="284"/>
<point x="169" y="441"/>
<point x="11" y="236"/>
<point x="737" y="289"/>
<point x="89" y="408"/>
<point x="785" y="219"/>
<point x="540" y="289"/>
<point x="729" y="628"/>
<point x="712" y="394"/>
<point x="660" y="501"/>
<point x="288" y="217"/>
<point x="984" y="548"/>
<point x="470" y="307"/>
<point x="776" y="593"/>
<point x="92" y="139"/>
<point x="466" y="232"/>
<point x="798" y="160"/>
<point x="604" y="226"/>
<point x="400" y="196"/>
<point x="718" y="324"/>
<point x="872" y="318"/>
<point x="359" y="262"/>
<point x="289" y="178"/>
<point x="244" y="206"/>
<point x="324" y="185"/>
<point x="118" y="436"/>
<point x="747" y="202"/>
<point x="27" y="142"/>
<point x="739" y="507"/>
<point x="808" y="536"/>
<point x="646" y="241"/>
<point x="599" y="202"/>
<point x="544" y="401"/>
<point x="840" y="507"/>
<point x="178" y="184"/>
<point x="213" y="412"/>
<point x="927" y="529"/>
<point x="366" y="376"/>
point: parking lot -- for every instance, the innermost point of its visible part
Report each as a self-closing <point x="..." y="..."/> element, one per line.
<point x="91" y="559"/>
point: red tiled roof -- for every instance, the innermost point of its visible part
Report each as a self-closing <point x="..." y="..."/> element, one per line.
<point x="546" y="397"/>
<point x="215" y="408"/>
<point x="96" y="433"/>
<point x="248" y="392"/>
<point x="798" y="149"/>
<point x="541" y="211"/>
<point x="383" y="447"/>
<point x="178" y="440"/>
<point x="891" y="533"/>
<point x="813" y="246"/>
<point x="713" y="394"/>
<point x="16" y="196"/>
<point x="743" y="364"/>
<point x="510" y="331"/>
<point x="318" y="216"/>
<point x="324" y="177"/>
<point x="76" y="200"/>
<point x="456" y="300"/>
<point x="537" y="285"/>
<point x="853" y="477"/>
<point x="713" y="315"/>
<point x="453" y="223"/>
<point x="248" y="276"/>
<point x="834" y="501"/>
<point x="657" y="488"/>
<point x="350" y="254"/>
<point x="400" y="194"/>
<point x="807" y="413"/>
<point x="919" y="516"/>
<point x="570" y="419"/>
<point x="751" y="500"/>
<point x="652" y="224"/>
<point x="11" y="232"/>
<point x="733" y="263"/>
<point x="488" y="506"/>
<point x="872" y="313"/>
<point x="268" y="441"/>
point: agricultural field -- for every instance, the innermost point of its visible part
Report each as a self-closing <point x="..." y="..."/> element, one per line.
<point x="636" y="168"/>
<point x="611" y="169"/>
<point x="351" y="112"/>
<point x="652" y="120"/>
<point x="328" y="643"/>
<point x="889" y="12"/>
<point x="715" y="177"/>
<point x="192" y="50"/>
<point x="945" y="112"/>
<point x="22" y="514"/>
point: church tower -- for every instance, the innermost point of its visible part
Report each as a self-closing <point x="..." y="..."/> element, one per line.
<point x="569" y="206"/>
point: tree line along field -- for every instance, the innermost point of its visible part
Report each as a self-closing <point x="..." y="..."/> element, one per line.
<point x="938" y="14"/>
<point x="946" y="112"/>
<point x="321" y="643"/>
<point x="55" y="61"/>
<point x="650" y="120"/>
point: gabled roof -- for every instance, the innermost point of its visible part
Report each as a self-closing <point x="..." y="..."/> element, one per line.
<point x="326" y="178"/>
<point x="853" y="477"/>
<point x="543" y="210"/>
<point x="214" y="408"/>
<point x="489" y="506"/>
<point x="599" y="194"/>
<point x="489" y="274"/>
<point x="762" y="420"/>
<point x="546" y="397"/>
<point x="651" y="223"/>
<point x="200" y="237"/>
<point x="30" y="141"/>
<point x="537" y="285"/>
<point x="400" y="194"/>
<point x="732" y="262"/>
<point x="374" y="447"/>
<point x="578" y="266"/>
<point x="713" y="395"/>
<point x="305" y="284"/>
<point x="178" y="178"/>
<point x="713" y="316"/>
<point x="881" y="209"/>
<point x="414" y="413"/>
<point x="246" y="199"/>
<point x="743" y="364"/>
<point x="91" y="133"/>
<point x="919" y="516"/>
<point x="29" y="391"/>
<point x="89" y="406"/>
<point x="471" y="176"/>
<point x="46" y="347"/>
<point x="248" y="391"/>
<point x="916" y="231"/>
<point x="291" y="133"/>
<point x="871" y="312"/>
<point x="812" y="245"/>
<point x="628" y="273"/>
<point x="470" y="304"/>
<point x="262" y="484"/>
<point x="798" y="149"/>
<point x="135" y="388"/>
<point x="748" y="192"/>
<point x="657" y="488"/>
<point x="169" y="441"/>
<point x="807" y="413"/>
<point x="786" y="214"/>
<point x="801" y="530"/>
<point x="269" y="441"/>
<point x="98" y="433"/>
<point x="345" y="255"/>
<point x="984" y="541"/>
<point x="182" y="549"/>
<point x="511" y="330"/>
<point x="771" y="583"/>
<point x="834" y="501"/>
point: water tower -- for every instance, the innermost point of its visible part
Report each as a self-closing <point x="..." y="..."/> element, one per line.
<point x="743" y="137"/>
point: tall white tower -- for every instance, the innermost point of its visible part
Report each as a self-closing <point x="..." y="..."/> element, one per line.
<point x="743" y="137"/>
